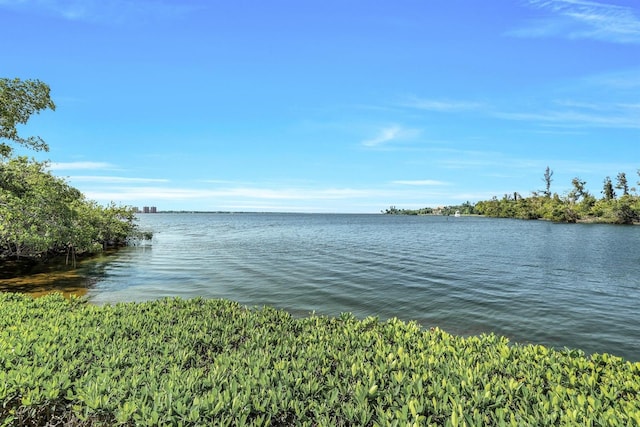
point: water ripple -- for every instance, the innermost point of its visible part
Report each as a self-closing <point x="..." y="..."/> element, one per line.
<point x="554" y="284"/>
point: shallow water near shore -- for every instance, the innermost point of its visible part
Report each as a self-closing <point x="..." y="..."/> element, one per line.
<point x="573" y="285"/>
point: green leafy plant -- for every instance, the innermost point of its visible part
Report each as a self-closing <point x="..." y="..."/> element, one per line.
<point x="213" y="362"/>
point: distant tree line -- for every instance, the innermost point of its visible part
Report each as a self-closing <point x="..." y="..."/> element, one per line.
<point x="41" y="215"/>
<point x="615" y="207"/>
<point x="467" y="208"/>
<point x="577" y="205"/>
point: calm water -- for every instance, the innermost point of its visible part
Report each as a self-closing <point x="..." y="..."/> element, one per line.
<point x="535" y="282"/>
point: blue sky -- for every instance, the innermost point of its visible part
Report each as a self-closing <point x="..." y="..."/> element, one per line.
<point x="329" y="106"/>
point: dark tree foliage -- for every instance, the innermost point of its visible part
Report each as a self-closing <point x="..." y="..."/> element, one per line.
<point x="43" y="216"/>
<point x="607" y="190"/>
<point x="578" y="191"/>
<point x="19" y="100"/>
<point x="40" y="214"/>
<point x="621" y="183"/>
<point x="548" y="173"/>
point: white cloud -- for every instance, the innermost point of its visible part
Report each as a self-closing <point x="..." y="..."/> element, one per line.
<point x="79" y="165"/>
<point x="113" y="11"/>
<point x="445" y="106"/>
<point x="114" y="179"/>
<point x="584" y="19"/>
<point x="390" y="134"/>
<point x="129" y="194"/>
<point x="608" y="100"/>
<point x="620" y="80"/>
<point x="422" y="182"/>
<point x="245" y="193"/>
<point x="290" y="193"/>
<point x="619" y="116"/>
<point x="308" y="198"/>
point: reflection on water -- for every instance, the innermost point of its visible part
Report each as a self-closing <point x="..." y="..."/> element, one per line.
<point x="66" y="282"/>
<point x="54" y="276"/>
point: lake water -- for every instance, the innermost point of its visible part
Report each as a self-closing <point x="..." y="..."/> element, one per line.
<point x="573" y="285"/>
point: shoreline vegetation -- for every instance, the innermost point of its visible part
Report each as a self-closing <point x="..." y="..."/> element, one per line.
<point x="578" y="205"/>
<point x="42" y="216"/>
<point x="206" y="362"/>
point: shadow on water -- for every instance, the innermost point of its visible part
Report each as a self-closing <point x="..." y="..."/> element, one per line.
<point x="54" y="276"/>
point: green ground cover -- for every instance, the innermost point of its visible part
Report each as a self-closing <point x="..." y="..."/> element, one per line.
<point x="214" y="362"/>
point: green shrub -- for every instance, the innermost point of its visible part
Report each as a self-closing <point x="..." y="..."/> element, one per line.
<point x="43" y="216"/>
<point x="213" y="362"/>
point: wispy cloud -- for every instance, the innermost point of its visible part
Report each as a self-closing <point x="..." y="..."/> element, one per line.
<point x="391" y="134"/>
<point x="114" y="179"/>
<point x="608" y="100"/>
<point x="584" y="19"/>
<point x="136" y="193"/>
<point x="113" y="11"/>
<point x="620" y="80"/>
<point x="56" y="166"/>
<point x="486" y="160"/>
<point x="291" y="193"/>
<point x="619" y="116"/>
<point x="279" y="197"/>
<point x="421" y="182"/>
<point x="145" y="193"/>
<point x="439" y="105"/>
<point x="596" y="101"/>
